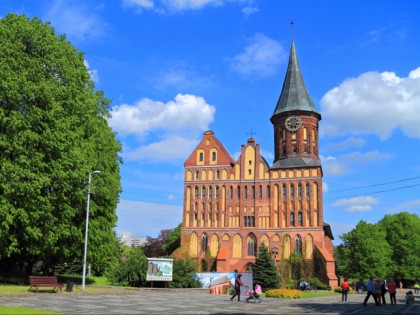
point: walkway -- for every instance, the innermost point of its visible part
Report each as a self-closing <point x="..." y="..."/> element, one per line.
<point x="183" y="303"/>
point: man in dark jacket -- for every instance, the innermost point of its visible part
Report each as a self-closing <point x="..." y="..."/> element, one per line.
<point x="238" y="284"/>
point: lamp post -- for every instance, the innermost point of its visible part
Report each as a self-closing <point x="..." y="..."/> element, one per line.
<point x="274" y="252"/>
<point x="87" y="227"/>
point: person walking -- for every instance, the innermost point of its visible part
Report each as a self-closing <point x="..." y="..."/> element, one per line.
<point x="344" y="290"/>
<point x="238" y="285"/>
<point x="384" y="290"/>
<point x="401" y="287"/>
<point x="392" y="290"/>
<point x="377" y="291"/>
<point x="370" y="288"/>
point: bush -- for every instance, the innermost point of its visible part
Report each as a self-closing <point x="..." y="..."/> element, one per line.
<point x="319" y="285"/>
<point x="284" y="293"/>
<point x="130" y="271"/>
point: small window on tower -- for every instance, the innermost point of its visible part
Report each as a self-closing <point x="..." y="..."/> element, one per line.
<point x="213" y="156"/>
<point x="201" y="158"/>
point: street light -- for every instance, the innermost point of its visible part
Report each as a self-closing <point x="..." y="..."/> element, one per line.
<point x="87" y="226"/>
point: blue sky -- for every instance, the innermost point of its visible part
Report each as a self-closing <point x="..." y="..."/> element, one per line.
<point x="176" y="68"/>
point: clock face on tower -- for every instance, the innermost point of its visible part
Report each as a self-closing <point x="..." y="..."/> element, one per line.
<point x="293" y="123"/>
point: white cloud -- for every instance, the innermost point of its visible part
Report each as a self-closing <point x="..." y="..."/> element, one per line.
<point x="339" y="229"/>
<point x="77" y="20"/>
<point x="171" y="148"/>
<point x="146" y="218"/>
<point x="164" y="6"/>
<point x="352" y="142"/>
<point x="357" y="204"/>
<point x="182" y="77"/>
<point x="185" y="112"/>
<point x="333" y="167"/>
<point x="163" y="131"/>
<point x="94" y="75"/>
<point x="141" y="4"/>
<point x="365" y="157"/>
<point x="409" y="206"/>
<point x="325" y="187"/>
<point x="247" y="11"/>
<point x="374" y="103"/>
<point x="262" y="57"/>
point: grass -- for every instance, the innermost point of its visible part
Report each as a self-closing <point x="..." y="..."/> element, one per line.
<point x="21" y="310"/>
<point x="310" y="294"/>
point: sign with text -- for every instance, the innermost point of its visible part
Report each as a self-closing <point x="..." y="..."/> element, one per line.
<point x="159" y="269"/>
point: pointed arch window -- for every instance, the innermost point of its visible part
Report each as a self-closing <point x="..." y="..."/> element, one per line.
<point x="284" y="192"/>
<point x="210" y="192"/>
<point x="261" y="191"/>
<point x="231" y="192"/>
<point x="307" y="190"/>
<point x="246" y="192"/>
<point x="239" y="192"/>
<point x="299" y="190"/>
<point x="196" y="192"/>
<point x="268" y="192"/>
<point x="252" y="245"/>
<point x="201" y="156"/>
<point x="300" y="218"/>
<point x="204" y="242"/>
<point x="217" y="192"/>
<point x="298" y="245"/>
<point x="292" y="190"/>
<point x="213" y="156"/>
<point x="292" y="219"/>
<point x="203" y="192"/>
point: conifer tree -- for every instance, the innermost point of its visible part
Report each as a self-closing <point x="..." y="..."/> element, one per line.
<point x="265" y="271"/>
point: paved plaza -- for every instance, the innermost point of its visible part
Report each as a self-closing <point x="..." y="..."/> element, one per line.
<point x="165" y="303"/>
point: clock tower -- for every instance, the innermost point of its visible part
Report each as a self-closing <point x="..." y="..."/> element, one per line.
<point x="295" y="122"/>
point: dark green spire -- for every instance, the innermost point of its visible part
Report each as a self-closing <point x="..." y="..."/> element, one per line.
<point x="294" y="95"/>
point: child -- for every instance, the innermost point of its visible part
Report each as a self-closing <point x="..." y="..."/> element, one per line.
<point x="409" y="298"/>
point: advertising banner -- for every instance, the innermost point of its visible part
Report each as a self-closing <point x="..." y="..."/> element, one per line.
<point x="159" y="269"/>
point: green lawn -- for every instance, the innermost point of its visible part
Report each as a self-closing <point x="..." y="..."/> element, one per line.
<point x="309" y="294"/>
<point x="20" y="310"/>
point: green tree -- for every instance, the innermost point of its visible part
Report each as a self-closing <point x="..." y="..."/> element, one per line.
<point x="184" y="274"/>
<point x="264" y="269"/>
<point x="402" y="234"/>
<point x="130" y="270"/>
<point x="53" y="132"/>
<point x="364" y="252"/>
<point x="173" y="241"/>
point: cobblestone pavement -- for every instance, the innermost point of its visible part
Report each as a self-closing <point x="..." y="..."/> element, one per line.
<point x="184" y="303"/>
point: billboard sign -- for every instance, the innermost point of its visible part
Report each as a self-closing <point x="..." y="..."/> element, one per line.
<point x="159" y="269"/>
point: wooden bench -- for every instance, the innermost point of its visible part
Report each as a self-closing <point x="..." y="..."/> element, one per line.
<point x="44" y="281"/>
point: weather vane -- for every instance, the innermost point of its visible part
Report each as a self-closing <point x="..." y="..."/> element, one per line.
<point x="292" y="27"/>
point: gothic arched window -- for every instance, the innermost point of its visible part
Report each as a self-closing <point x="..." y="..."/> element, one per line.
<point x="252" y="245"/>
<point x="204" y="242"/>
<point x="298" y="245"/>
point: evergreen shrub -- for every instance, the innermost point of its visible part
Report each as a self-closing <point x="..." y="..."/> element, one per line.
<point x="284" y="293"/>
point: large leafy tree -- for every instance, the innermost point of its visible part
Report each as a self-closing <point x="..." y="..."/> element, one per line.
<point x="53" y="132"/>
<point x="264" y="269"/>
<point x="154" y="246"/>
<point x="364" y="252"/>
<point x="402" y="234"/>
<point x="173" y="241"/>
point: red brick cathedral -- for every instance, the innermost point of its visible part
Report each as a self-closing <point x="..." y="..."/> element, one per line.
<point x="232" y="207"/>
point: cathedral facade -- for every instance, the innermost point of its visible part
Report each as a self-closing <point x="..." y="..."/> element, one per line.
<point x="233" y="206"/>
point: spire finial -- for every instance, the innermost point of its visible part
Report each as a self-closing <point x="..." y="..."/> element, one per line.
<point x="251" y="133"/>
<point x="293" y="29"/>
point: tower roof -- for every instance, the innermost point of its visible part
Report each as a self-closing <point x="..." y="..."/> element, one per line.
<point x="294" y="95"/>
